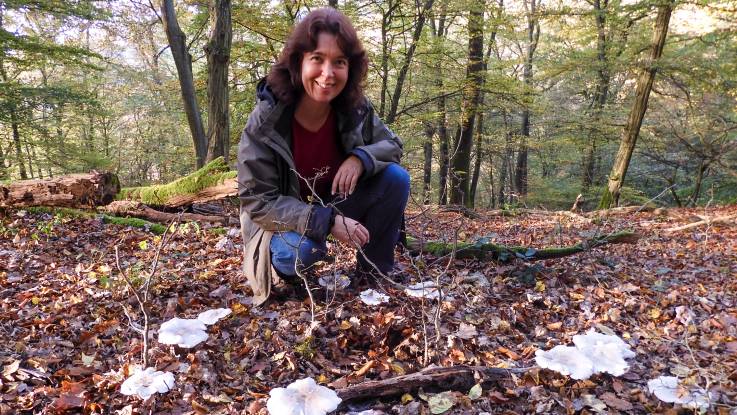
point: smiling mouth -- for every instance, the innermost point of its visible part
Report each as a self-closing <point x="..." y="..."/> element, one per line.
<point x="324" y="86"/>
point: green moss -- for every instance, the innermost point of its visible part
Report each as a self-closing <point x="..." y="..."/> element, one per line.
<point x="211" y="174"/>
<point x="218" y="230"/>
<point x="61" y="212"/>
<point x="607" y="199"/>
<point x="306" y="348"/>
<point x="136" y="223"/>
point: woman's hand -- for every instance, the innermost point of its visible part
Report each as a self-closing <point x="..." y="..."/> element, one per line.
<point x="347" y="176"/>
<point x="349" y="231"/>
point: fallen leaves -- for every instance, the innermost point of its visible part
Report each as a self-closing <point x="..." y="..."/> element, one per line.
<point x="670" y="297"/>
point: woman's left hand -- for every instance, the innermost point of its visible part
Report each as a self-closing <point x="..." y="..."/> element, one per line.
<point x="347" y="176"/>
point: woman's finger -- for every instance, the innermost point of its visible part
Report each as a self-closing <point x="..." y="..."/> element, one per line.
<point x="336" y="180"/>
<point x="345" y="182"/>
<point x="354" y="181"/>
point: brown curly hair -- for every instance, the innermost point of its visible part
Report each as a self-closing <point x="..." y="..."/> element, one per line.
<point x="285" y="78"/>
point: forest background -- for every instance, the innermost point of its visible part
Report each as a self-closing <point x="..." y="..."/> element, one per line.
<point x="499" y="103"/>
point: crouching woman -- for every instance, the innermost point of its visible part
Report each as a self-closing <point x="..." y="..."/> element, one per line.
<point x="315" y="160"/>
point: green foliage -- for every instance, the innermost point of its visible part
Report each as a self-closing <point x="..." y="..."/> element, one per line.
<point x="211" y="174"/>
<point x="80" y="101"/>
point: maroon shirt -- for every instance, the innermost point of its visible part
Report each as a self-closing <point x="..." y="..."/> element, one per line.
<point x="315" y="152"/>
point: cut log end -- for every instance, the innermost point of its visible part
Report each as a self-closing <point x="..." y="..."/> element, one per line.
<point x="71" y="191"/>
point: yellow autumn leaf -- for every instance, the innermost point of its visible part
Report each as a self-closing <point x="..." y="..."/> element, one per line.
<point x="397" y="368"/>
<point x="540" y="286"/>
<point x="238" y="308"/>
<point x="655" y="313"/>
<point x="345" y="325"/>
<point x="35" y="300"/>
<point x="576" y="296"/>
<point x="407" y="398"/>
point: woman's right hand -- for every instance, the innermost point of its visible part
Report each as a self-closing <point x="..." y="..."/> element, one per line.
<point x="349" y="231"/>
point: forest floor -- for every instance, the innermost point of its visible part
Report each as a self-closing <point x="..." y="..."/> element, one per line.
<point x="67" y="344"/>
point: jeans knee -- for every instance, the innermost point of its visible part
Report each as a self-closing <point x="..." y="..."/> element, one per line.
<point x="310" y="252"/>
<point x="290" y="249"/>
<point x="398" y="178"/>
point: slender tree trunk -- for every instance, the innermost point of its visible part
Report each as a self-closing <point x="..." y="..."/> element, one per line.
<point x="492" y="189"/>
<point x="533" y="35"/>
<point x="703" y="167"/>
<point x="385" y="21"/>
<point x="419" y="25"/>
<point x="3" y="168"/>
<point x="427" y="166"/>
<point x="610" y="198"/>
<point x="442" y="121"/>
<point x="480" y="120"/>
<point x="600" y="94"/>
<point x="218" y="60"/>
<point x="333" y="3"/>
<point x="478" y="132"/>
<point x="444" y="153"/>
<point x="506" y="163"/>
<point x="183" y="62"/>
<point x="474" y="74"/>
<point x="16" y="140"/>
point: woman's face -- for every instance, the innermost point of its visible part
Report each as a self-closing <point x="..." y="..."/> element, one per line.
<point x="324" y="70"/>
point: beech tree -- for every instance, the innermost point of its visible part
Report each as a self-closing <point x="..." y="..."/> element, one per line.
<point x="610" y="197"/>
<point x="460" y="179"/>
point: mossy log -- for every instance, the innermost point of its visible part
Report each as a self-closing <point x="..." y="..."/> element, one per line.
<point x="213" y="181"/>
<point x="503" y="253"/>
<point x="71" y="191"/>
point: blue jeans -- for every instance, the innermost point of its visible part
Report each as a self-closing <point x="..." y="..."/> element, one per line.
<point x="377" y="203"/>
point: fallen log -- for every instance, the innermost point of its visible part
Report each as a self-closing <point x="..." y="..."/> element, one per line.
<point x="705" y="221"/>
<point x="139" y="210"/>
<point x="71" y="191"/>
<point x="213" y="181"/>
<point x="504" y="253"/>
<point x="460" y="378"/>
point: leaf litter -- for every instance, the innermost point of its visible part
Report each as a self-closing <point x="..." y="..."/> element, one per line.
<point x="68" y="346"/>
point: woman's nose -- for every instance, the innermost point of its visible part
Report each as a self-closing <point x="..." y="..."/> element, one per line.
<point x="327" y="69"/>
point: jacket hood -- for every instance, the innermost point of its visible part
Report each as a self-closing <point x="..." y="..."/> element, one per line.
<point x="264" y="92"/>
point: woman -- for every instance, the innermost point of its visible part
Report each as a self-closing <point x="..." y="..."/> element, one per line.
<point x="315" y="160"/>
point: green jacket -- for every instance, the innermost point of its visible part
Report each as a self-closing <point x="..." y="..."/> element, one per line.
<point x="268" y="186"/>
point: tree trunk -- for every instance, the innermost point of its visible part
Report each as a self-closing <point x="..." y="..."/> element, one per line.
<point x="76" y="190"/>
<point x="419" y="25"/>
<point x="480" y="123"/>
<point x="492" y="189"/>
<point x="479" y="154"/>
<point x="474" y="74"/>
<point x="183" y="62"/>
<point x="386" y="18"/>
<point x="610" y="197"/>
<point x="506" y="168"/>
<point x="703" y="166"/>
<point x="218" y="60"/>
<point x="427" y="165"/>
<point x="442" y="122"/>
<point x="333" y="3"/>
<point x="533" y="35"/>
<point x="600" y="94"/>
<point x="16" y="142"/>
